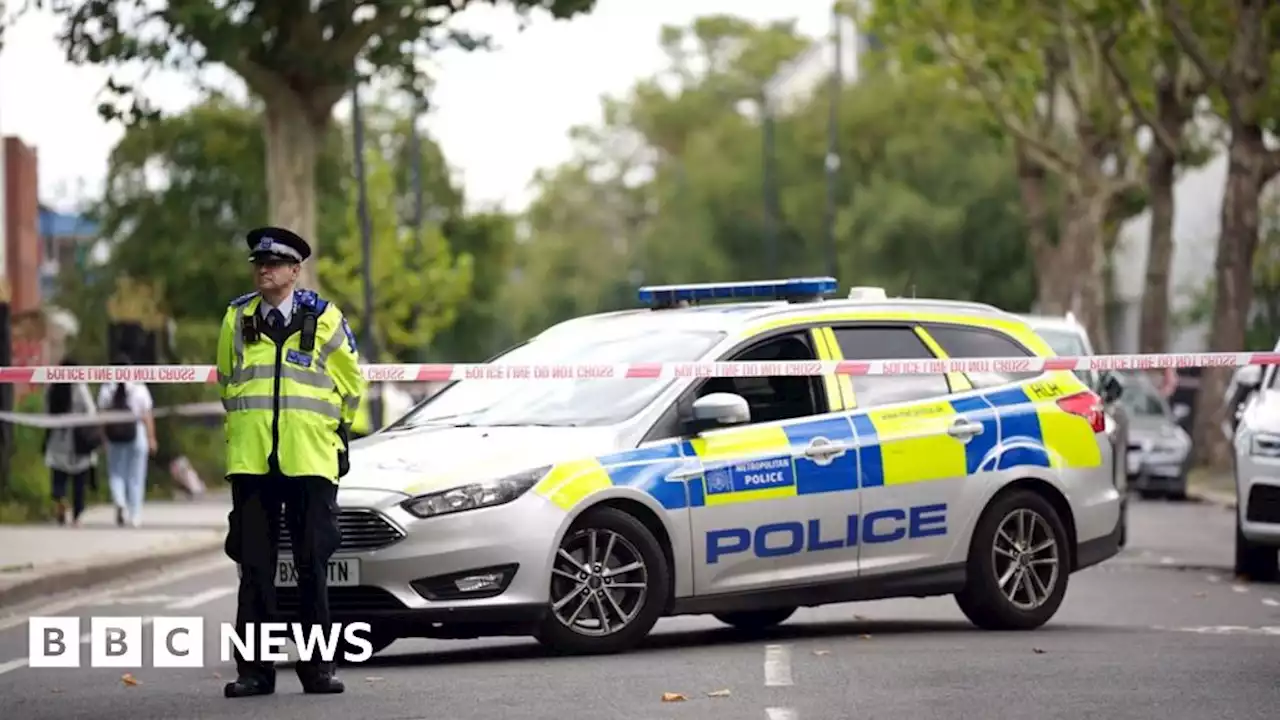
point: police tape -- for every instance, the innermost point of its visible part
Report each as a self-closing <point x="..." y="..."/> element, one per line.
<point x="450" y="372"/>
<point x="104" y="417"/>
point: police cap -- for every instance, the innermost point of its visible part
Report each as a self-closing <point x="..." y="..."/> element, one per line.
<point x="273" y="243"/>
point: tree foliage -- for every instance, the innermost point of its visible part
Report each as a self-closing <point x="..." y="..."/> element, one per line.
<point x="409" y="305"/>
<point x="182" y="191"/>
<point x="669" y="186"/>
<point x="298" y="57"/>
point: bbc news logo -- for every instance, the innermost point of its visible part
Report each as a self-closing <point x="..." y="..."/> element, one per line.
<point x="179" y="642"/>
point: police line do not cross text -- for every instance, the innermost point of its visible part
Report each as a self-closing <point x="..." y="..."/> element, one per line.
<point x="179" y="642"/>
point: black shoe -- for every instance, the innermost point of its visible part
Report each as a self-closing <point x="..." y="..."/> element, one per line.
<point x="248" y="687"/>
<point x="322" y="684"/>
<point x="120" y="516"/>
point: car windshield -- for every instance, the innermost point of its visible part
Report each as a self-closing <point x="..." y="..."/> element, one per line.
<point x="564" y="402"/>
<point x="1141" y="398"/>
<point x="1063" y="342"/>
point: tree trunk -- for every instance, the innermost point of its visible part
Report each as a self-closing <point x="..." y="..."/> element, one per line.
<point x="1154" y="331"/>
<point x="293" y="142"/>
<point x="1233" y="277"/>
<point x="1083" y="229"/>
<point x="1045" y="255"/>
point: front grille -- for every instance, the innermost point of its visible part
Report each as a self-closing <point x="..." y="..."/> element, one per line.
<point x="362" y="530"/>
<point x="342" y="600"/>
<point x="1264" y="504"/>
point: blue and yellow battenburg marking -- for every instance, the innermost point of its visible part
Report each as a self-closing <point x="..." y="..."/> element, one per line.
<point x="1021" y="426"/>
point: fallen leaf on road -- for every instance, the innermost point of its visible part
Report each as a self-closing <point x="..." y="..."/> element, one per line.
<point x="673" y="697"/>
<point x="866" y="637"/>
<point x="719" y="693"/>
<point x="821" y="652"/>
<point x="127" y="679"/>
<point x="1037" y="651"/>
<point x="217" y="676"/>
<point x="1240" y="588"/>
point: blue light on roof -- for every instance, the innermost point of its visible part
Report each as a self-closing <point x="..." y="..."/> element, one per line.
<point x="790" y="289"/>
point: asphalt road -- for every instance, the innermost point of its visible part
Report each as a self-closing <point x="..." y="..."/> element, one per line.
<point x="1161" y="631"/>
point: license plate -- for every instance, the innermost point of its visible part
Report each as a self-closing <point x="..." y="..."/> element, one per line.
<point x="1135" y="463"/>
<point x="342" y="573"/>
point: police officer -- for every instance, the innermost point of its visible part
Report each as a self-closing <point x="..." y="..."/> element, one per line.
<point x="290" y="384"/>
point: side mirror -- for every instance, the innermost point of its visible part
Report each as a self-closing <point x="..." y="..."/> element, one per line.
<point x="718" y="410"/>
<point x="1111" y="389"/>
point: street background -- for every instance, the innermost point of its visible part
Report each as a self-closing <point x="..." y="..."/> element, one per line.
<point x="1109" y="160"/>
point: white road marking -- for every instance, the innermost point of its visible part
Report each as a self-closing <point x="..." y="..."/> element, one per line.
<point x="777" y="666"/>
<point x="207" y="596"/>
<point x="1232" y="630"/>
<point x="1271" y="602"/>
<point x="12" y="665"/>
<point x="780" y="714"/>
<point x="62" y="606"/>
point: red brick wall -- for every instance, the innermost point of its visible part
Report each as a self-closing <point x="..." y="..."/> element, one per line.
<point x="22" y="215"/>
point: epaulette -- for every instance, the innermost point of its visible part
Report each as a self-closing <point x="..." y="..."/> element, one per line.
<point x="310" y="299"/>
<point x="244" y="299"/>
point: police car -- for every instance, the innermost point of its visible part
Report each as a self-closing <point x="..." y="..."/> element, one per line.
<point x="580" y="511"/>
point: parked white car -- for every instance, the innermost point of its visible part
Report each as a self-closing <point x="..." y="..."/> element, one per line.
<point x="1257" y="472"/>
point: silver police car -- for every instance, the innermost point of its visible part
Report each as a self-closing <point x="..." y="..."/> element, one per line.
<point x="581" y="508"/>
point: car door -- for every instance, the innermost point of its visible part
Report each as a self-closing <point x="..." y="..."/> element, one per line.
<point x="771" y="500"/>
<point x="920" y="439"/>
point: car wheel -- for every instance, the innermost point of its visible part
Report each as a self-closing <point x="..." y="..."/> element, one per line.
<point x="1260" y="563"/>
<point x="1016" y="574"/>
<point x="756" y="620"/>
<point x="609" y="585"/>
<point x="1124" y="523"/>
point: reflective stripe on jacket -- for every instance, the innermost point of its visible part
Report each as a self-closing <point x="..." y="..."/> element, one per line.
<point x="283" y="403"/>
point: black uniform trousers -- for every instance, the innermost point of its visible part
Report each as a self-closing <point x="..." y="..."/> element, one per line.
<point x="310" y="511"/>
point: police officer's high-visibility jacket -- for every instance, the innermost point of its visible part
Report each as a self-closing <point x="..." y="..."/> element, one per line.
<point x="285" y="402"/>
<point x="363" y="423"/>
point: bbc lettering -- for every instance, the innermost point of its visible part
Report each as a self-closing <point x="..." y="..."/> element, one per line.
<point x="179" y="642"/>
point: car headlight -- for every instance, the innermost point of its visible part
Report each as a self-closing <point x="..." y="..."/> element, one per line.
<point x="1264" y="445"/>
<point x="474" y="495"/>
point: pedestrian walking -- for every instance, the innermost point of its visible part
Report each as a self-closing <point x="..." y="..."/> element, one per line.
<point x="70" y="453"/>
<point x="290" y="383"/>
<point x="129" y="444"/>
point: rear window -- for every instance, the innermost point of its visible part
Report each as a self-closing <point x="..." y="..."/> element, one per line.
<point x="968" y="342"/>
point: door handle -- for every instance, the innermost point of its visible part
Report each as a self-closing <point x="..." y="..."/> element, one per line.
<point x="685" y="474"/>
<point x="965" y="429"/>
<point x="822" y="450"/>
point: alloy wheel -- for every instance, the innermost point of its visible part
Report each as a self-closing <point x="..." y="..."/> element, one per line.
<point x="1025" y="558"/>
<point x="599" y="582"/>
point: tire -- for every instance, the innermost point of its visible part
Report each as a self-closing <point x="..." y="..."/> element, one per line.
<point x="379" y="639"/>
<point x="1260" y="563"/>
<point x="983" y="600"/>
<point x="1124" y="523"/>
<point x="642" y="604"/>
<point x="756" y="620"/>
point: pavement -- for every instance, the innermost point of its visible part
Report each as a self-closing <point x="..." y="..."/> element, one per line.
<point x="1160" y="631"/>
<point x="1214" y="486"/>
<point x="37" y="560"/>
